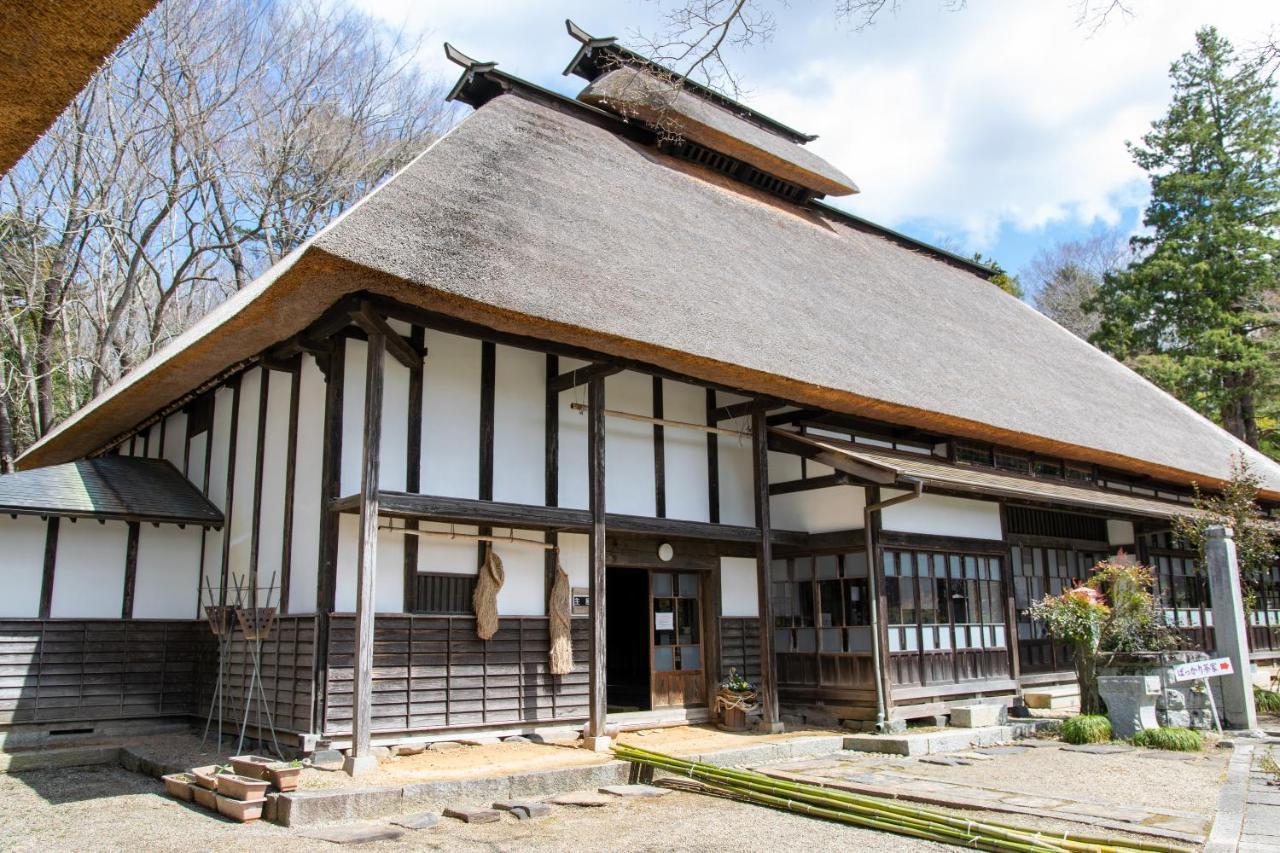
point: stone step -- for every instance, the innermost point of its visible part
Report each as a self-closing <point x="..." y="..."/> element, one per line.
<point x="1054" y="698"/>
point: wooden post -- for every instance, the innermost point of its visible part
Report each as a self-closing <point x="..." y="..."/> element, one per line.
<point x="594" y="737"/>
<point x="361" y="758"/>
<point x="764" y="561"/>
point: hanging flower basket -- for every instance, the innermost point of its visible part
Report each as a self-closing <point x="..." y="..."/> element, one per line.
<point x="219" y="618"/>
<point x="256" y="622"/>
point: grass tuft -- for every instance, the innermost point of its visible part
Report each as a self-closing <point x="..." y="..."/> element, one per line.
<point x="1087" y="728"/>
<point x="1267" y="701"/>
<point x="1173" y="738"/>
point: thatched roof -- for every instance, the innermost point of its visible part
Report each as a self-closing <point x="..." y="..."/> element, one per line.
<point x="538" y="217"/>
<point x="119" y="487"/>
<point x="48" y="51"/>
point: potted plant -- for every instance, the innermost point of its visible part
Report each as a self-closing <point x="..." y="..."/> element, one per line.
<point x="179" y="785"/>
<point x="736" y="700"/>
<point x="1076" y="618"/>
<point x="241" y="787"/>
<point x="207" y="776"/>
<point x="253" y="766"/>
<point x="285" y="775"/>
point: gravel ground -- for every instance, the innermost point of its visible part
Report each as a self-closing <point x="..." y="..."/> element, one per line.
<point x="106" y="809"/>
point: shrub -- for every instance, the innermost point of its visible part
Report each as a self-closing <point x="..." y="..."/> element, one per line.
<point x="1086" y="728"/>
<point x="1174" y="738"/>
<point x="1267" y="701"/>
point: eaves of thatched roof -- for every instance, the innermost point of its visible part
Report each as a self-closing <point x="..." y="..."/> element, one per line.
<point x="48" y="51"/>
<point x="532" y="218"/>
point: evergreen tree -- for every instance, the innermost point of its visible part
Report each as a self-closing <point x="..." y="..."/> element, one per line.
<point x="1192" y="312"/>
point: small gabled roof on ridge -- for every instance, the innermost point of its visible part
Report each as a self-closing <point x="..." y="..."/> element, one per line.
<point x="109" y="487"/>
<point x="541" y="216"/>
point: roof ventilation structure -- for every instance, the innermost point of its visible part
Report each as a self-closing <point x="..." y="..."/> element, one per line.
<point x="681" y="111"/>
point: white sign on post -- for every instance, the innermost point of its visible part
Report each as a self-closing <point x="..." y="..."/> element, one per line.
<point x="664" y="621"/>
<point x="1203" y="669"/>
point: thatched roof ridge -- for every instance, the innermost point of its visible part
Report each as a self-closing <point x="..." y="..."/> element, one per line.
<point x="528" y="219"/>
<point x="48" y="51"/>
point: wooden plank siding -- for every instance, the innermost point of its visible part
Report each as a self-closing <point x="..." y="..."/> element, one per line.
<point x="432" y="672"/>
<point x="85" y="670"/>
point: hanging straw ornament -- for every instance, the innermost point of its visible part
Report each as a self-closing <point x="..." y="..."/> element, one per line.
<point x="485" y="599"/>
<point x="561" y="612"/>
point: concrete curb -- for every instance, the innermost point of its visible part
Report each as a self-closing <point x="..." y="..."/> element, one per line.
<point x="56" y="759"/>
<point x="308" y="808"/>
<point x="1228" y="820"/>
<point x="946" y="740"/>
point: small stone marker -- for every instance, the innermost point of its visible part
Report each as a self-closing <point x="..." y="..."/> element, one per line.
<point x="588" y="799"/>
<point x="1098" y="748"/>
<point x="421" y="820"/>
<point x="327" y="759"/>
<point x="635" y="790"/>
<point x="470" y="815"/>
<point x="353" y="833"/>
<point x="948" y="760"/>
<point x="444" y="746"/>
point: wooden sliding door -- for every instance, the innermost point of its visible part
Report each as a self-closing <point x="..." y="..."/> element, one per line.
<point x="676" y="639"/>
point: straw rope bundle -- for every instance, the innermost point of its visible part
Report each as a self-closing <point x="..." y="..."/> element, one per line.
<point x="485" y="599"/>
<point x="561" y="610"/>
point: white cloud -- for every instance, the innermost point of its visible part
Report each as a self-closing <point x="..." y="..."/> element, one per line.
<point x="1004" y="115"/>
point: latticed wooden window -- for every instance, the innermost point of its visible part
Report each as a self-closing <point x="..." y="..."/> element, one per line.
<point x="444" y="594"/>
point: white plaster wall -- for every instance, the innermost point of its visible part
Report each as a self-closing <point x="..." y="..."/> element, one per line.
<point x="22" y="564"/>
<point x="352" y="416"/>
<point x="1120" y="532"/>
<point x="275" y="456"/>
<point x="153" y="441"/>
<point x="572" y="437"/>
<point x="195" y="460"/>
<point x="388" y="585"/>
<point x="738" y="587"/>
<point x="395" y="426"/>
<point x="223" y="401"/>
<point x="241" y="521"/>
<point x="784" y="467"/>
<point x="573" y="558"/>
<point x="304" y="561"/>
<point x="168" y="566"/>
<point x="451" y="416"/>
<point x="941" y="515"/>
<point x="737" y="491"/>
<point x="175" y="440"/>
<point x="819" y="510"/>
<point x="628" y="445"/>
<point x="519" y="426"/>
<point x="442" y="556"/>
<point x="685" y="451"/>
<point x="524" y="570"/>
<point x="88" y="577"/>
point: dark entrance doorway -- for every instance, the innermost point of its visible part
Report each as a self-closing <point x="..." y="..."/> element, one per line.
<point x="627" y="640"/>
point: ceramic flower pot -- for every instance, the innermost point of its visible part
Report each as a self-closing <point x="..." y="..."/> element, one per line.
<point x="284" y="777"/>
<point x="205" y="797"/>
<point x="207" y="776"/>
<point x="241" y="787"/>
<point x="253" y="766"/>
<point x="241" y="810"/>
<point x="179" y="785"/>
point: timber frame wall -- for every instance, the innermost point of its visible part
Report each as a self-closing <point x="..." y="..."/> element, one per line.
<point x="285" y="500"/>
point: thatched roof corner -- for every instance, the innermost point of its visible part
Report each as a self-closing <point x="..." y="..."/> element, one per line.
<point x="48" y="51"/>
<point x="666" y="104"/>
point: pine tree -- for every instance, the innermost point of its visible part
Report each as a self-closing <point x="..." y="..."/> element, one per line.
<point x="1192" y="312"/>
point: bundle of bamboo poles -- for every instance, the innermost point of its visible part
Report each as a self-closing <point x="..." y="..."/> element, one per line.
<point x="879" y="813"/>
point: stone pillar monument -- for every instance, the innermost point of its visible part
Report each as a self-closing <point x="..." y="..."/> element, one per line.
<point x="1230" y="628"/>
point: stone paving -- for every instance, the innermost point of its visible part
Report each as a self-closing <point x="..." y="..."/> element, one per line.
<point x="1261" y="830"/>
<point x="860" y="772"/>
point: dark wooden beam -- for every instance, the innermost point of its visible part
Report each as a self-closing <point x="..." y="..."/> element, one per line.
<point x="746" y="408"/>
<point x="488" y="380"/>
<point x="130" y="570"/>
<point x="50" y="560"/>
<point x="659" y="455"/>
<point x="366" y="318"/>
<point x="290" y="462"/>
<point x="764" y="566"/>
<point x="413" y="466"/>
<point x="551" y="470"/>
<point x="331" y="477"/>
<point x="582" y="376"/>
<point x="596" y="551"/>
<point x="361" y="758"/>
<point x="896" y="539"/>
<point x="713" y="462"/>
<point x="825" y="482"/>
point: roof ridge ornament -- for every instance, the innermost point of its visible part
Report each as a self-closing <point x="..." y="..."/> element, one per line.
<point x="473" y="87"/>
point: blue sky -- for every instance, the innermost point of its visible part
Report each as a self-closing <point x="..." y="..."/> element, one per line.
<point x="1000" y="128"/>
